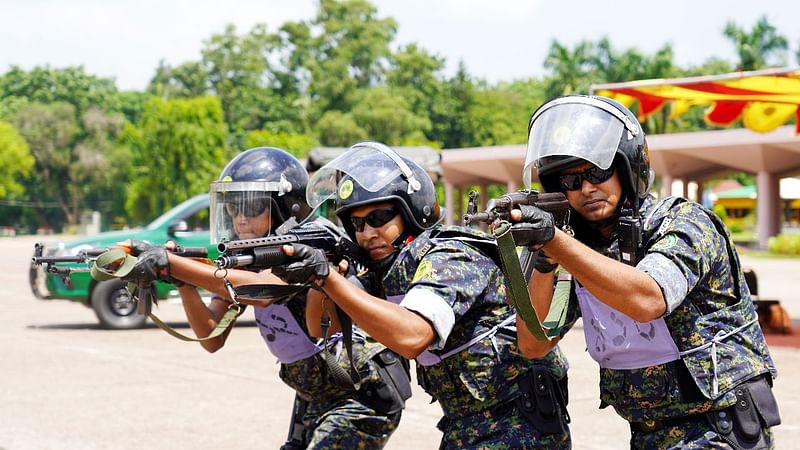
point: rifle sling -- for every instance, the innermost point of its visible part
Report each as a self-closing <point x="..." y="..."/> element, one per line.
<point x="103" y="270"/>
<point x="518" y="289"/>
<point x="347" y="336"/>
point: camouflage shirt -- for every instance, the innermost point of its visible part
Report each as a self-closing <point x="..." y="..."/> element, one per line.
<point x="445" y="260"/>
<point x="710" y="316"/>
<point x="311" y="377"/>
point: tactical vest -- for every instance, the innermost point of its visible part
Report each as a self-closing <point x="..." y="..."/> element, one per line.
<point x="482" y="374"/>
<point x="721" y="345"/>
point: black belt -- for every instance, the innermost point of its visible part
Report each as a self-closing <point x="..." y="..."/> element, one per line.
<point x="648" y="426"/>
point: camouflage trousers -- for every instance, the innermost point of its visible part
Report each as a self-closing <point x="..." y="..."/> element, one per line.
<point x="503" y="429"/>
<point x="350" y="425"/>
<point x="693" y="435"/>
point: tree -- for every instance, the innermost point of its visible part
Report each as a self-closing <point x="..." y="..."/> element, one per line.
<point x="387" y="117"/>
<point x="338" y="129"/>
<point x="69" y="85"/>
<point x="414" y="74"/>
<point x="297" y="144"/>
<point x="16" y="160"/>
<point x="570" y="68"/>
<point x="349" y="53"/>
<point x="450" y="124"/>
<point x="757" y="46"/>
<point x="178" y="147"/>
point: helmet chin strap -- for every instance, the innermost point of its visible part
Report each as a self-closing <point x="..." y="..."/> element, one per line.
<point x="398" y="244"/>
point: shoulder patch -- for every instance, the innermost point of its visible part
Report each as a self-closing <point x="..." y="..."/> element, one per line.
<point x="424" y="270"/>
<point x="665" y="243"/>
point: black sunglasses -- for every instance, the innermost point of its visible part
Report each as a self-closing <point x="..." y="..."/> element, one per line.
<point x="376" y="219"/>
<point x="250" y="208"/>
<point x="594" y="175"/>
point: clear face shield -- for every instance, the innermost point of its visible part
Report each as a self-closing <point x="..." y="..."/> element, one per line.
<point x="581" y="127"/>
<point x="371" y="166"/>
<point x="243" y="209"/>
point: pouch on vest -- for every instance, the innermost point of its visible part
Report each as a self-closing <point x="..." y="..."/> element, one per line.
<point x="743" y="425"/>
<point x="542" y="401"/>
<point x="388" y="396"/>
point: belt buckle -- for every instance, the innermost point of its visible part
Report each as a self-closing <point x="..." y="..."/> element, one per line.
<point x="650" y="425"/>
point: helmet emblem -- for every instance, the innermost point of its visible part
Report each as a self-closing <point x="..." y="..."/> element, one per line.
<point x="227" y="179"/>
<point x="346" y="189"/>
<point x="561" y="135"/>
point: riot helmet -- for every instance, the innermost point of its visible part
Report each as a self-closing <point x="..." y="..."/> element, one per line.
<point x="371" y="172"/>
<point x="261" y="180"/>
<point x="570" y="130"/>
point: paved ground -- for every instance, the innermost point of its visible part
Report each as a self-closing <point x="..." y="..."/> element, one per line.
<point x="66" y="384"/>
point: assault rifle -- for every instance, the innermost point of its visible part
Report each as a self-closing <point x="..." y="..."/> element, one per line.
<point x="83" y="256"/>
<point x="146" y="292"/>
<point x="500" y="208"/>
<point x="264" y="253"/>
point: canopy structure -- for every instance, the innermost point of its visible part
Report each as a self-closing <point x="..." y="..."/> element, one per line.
<point x="762" y="99"/>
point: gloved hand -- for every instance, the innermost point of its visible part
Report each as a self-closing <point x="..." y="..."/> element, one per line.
<point x="535" y="228"/>
<point x="542" y="263"/>
<point x="306" y="264"/>
<point x="151" y="265"/>
<point x="138" y="247"/>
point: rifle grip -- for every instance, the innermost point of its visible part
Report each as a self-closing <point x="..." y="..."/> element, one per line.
<point x="269" y="256"/>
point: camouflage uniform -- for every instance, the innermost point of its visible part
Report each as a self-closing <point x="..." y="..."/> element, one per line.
<point x="711" y="320"/>
<point x="476" y="387"/>
<point x="336" y="417"/>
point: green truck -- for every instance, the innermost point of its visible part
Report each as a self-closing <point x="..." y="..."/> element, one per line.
<point x="186" y="224"/>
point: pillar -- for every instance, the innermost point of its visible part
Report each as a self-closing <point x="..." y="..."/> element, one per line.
<point x="767" y="207"/>
<point x="449" y="203"/>
<point x="666" y="186"/>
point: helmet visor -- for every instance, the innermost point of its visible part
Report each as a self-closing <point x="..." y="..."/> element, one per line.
<point x="369" y="168"/>
<point x="582" y="128"/>
<point x="242" y="210"/>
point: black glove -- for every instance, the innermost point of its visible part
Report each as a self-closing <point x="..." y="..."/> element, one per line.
<point x="542" y="263"/>
<point x="307" y="264"/>
<point x="138" y="247"/>
<point x="151" y="265"/>
<point x="535" y="228"/>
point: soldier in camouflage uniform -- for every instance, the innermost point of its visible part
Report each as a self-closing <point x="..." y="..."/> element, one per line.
<point x="447" y="305"/>
<point x="258" y="190"/>
<point x="666" y="312"/>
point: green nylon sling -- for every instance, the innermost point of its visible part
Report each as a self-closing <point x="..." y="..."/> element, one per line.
<point x="518" y="289"/>
<point x="102" y="271"/>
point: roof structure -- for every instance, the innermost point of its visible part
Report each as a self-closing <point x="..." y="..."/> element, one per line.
<point x="693" y="156"/>
<point x="762" y="99"/>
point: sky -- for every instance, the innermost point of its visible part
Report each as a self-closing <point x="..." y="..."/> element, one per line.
<point x="498" y="40"/>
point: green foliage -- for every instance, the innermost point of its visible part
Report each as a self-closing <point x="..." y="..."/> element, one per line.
<point x="16" y="160"/>
<point x="785" y="244"/>
<point x="720" y="211"/>
<point x="178" y="148"/>
<point x="75" y="161"/>
<point x="297" y="144"/>
<point x="757" y="46"/>
<point x="387" y="117"/>
<point x="69" y="85"/>
<point x="338" y="129"/>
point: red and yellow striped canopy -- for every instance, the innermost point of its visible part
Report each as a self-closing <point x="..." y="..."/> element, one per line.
<point x="764" y="99"/>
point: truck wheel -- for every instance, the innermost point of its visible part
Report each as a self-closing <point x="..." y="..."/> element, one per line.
<point x="114" y="306"/>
